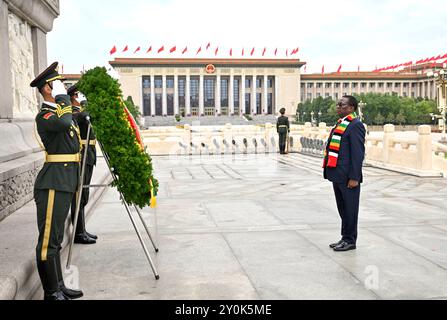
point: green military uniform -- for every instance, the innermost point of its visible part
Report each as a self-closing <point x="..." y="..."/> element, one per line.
<point x="80" y="116"/>
<point x="56" y="182"/>
<point x="283" y="128"/>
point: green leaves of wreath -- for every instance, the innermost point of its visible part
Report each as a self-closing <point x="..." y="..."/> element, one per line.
<point x="132" y="165"/>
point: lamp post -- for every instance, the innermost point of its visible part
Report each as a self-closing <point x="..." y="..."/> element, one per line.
<point x="362" y="105"/>
<point x="319" y="116"/>
<point x="312" y="120"/>
<point x="441" y="82"/>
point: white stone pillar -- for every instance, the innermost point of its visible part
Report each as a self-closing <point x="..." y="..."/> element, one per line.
<point x="388" y="137"/>
<point x="242" y="99"/>
<point x="176" y="96"/>
<point x="164" y="96"/>
<point x="201" y="96"/>
<point x="153" y="109"/>
<point x="265" y="94"/>
<point x="231" y="95"/>
<point x="253" y="95"/>
<point x="188" y="95"/>
<point x="424" y="148"/>
<point x="218" y="97"/>
<point x="401" y="89"/>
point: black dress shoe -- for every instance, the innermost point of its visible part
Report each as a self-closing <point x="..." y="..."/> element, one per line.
<point x="95" y="237"/>
<point x="70" y="293"/>
<point x="55" y="296"/>
<point x="84" y="239"/>
<point x="344" y="246"/>
<point x="332" y="246"/>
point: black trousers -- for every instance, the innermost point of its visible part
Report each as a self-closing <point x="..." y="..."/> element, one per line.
<point x="80" y="227"/>
<point x="282" y="142"/>
<point x="52" y="211"/>
<point x="348" y="201"/>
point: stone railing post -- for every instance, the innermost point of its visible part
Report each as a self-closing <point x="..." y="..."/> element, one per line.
<point x="307" y="129"/>
<point x="388" y="137"/>
<point x="322" y="127"/>
<point x="424" y="148"/>
<point x="187" y="138"/>
<point x="268" y="134"/>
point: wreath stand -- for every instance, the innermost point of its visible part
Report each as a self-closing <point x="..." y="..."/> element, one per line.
<point x="126" y="205"/>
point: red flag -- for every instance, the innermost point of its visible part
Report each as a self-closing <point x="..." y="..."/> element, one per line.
<point x="62" y="69"/>
<point x="444" y="56"/>
<point x="276" y="52"/>
<point x="126" y="49"/>
<point x="305" y="68"/>
<point x="252" y="52"/>
<point x="358" y="69"/>
<point x="198" y="51"/>
<point x="185" y="50"/>
<point x="287" y="53"/>
<point x="138" y="49"/>
<point x="419" y="61"/>
<point x="322" y="70"/>
<point x="339" y="69"/>
<point x="208" y="46"/>
<point x="113" y="51"/>
<point x="243" y="52"/>
<point x="149" y="50"/>
<point x="231" y="52"/>
<point x="161" y="49"/>
<point x="173" y="49"/>
<point x="444" y="62"/>
<point x="217" y="51"/>
<point x="263" y="52"/>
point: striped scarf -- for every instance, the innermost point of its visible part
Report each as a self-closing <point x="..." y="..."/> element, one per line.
<point x="331" y="153"/>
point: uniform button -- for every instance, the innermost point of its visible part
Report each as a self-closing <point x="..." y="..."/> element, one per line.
<point x="66" y="165"/>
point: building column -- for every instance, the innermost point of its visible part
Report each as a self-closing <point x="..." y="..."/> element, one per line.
<point x="401" y="89"/>
<point x="265" y="104"/>
<point x="253" y="95"/>
<point x="153" y="112"/>
<point x="333" y="90"/>
<point x="231" y="95"/>
<point x="176" y="97"/>
<point x="164" y="96"/>
<point x="315" y="91"/>
<point x="218" y="97"/>
<point x="242" y="99"/>
<point x="6" y="93"/>
<point x="201" y="96"/>
<point x="277" y="106"/>
<point x="188" y="95"/>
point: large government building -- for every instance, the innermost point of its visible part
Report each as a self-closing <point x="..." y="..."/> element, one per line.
<point x="206" y="87"/>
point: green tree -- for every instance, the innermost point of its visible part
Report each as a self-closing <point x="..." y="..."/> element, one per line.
<point x="400" y="118"/>
<point x="133" y="109"/>
<point x="390" y="118"/>
<point x="379" y="119"/>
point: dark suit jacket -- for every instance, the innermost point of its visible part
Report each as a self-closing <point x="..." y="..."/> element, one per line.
<point x="351" y="155"/>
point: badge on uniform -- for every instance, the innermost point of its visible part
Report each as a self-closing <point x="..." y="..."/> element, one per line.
<point x="72" y="134"/>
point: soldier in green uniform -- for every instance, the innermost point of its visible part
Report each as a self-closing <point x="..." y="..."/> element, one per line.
<point x="56" y="182"/>
<point x="283" y="128"/>
<point x="80" y="116"/>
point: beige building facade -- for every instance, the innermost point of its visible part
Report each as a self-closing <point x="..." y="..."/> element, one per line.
<point x="195" y="87"/>
<point x="411" y="82"/>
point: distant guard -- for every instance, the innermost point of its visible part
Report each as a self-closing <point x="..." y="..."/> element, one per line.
<point x="283" y="128"/>
<point x="80" y="116"/>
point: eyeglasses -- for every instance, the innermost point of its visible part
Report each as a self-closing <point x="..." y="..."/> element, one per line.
<point x="341" y="105"/>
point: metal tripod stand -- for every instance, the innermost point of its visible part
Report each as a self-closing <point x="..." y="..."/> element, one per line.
<point x="126" y="205"/>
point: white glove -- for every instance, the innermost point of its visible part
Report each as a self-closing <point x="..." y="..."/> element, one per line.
<point x="58" y="88"/>
<point x="81" y="97"/>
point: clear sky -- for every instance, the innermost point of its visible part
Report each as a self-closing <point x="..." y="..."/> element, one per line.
<point x="351" y="33"/>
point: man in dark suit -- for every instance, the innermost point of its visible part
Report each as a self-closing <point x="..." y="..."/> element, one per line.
<point x="343" y="163"/>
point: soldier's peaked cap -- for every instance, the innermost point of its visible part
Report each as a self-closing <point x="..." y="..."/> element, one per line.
<point x="72" y="90"/>
<point x="49" y="75"/>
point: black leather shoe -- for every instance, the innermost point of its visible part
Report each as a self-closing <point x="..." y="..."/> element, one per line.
<point x="58" y="295"/>
<point x="332" y="246"/>
<point x="70" y="293"/>
<point x="95" y="237"/>
<point x="84" y="239"/>
<point x="344" y="246"/>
